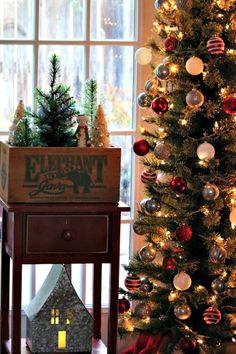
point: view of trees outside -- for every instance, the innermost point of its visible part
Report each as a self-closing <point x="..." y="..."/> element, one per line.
<point x="104" y="51"/>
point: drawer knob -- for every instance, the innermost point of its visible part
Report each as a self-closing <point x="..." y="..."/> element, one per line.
<point x="67" y="236"/>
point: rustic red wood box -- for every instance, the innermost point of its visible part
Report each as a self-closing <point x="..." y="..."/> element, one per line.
<point x="59" y="174"/>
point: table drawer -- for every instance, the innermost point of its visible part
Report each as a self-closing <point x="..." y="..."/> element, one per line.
<point x="67" y="234"/>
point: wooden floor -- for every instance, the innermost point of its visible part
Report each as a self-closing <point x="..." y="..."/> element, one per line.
<point x="98" y="347"/>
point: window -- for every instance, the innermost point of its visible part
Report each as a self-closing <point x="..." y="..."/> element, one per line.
<point x="94" y="39"/>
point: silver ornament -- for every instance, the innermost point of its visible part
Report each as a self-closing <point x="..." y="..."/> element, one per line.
<point x="152" y="86"/>
<point x="194" y="98"/>
<point x="210" y="192"/>
<point x="162" y="150"/>
<point x="185" y="5"/>
<point x="142" y="310"/>
<point x="158" y="4"/>
<point x="217" y="254"/>
<point x="218" y="285"/>
<point x="144" y="100"/>
<point x="182" y="311"/>
<point x="147" y="253"/>
<point x="162" y="71"/>
<point x="152" y="205"/>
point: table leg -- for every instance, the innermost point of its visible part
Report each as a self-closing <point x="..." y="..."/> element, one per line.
<point x="16" y="306"/>
<point x="97" y="302"/>
<point x="5" y="282"/>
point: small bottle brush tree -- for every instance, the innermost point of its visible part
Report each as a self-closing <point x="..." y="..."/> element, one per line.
<point x="100" y="136"/>
<point x="19" y="114"/>
<point x="183" y="279"/>
<point x="56" y="110"/>
<point x="90" y="103"/>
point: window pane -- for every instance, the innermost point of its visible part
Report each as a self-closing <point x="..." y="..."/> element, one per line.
<point x="16" y="19"/>
<point x="72" y="67"/>
<point x="112" y="19"/>
<point x="114" y="72"/>
<point x="62" y="19"/>
<point x="16" y="79"/>
<point x="124" y="142"/>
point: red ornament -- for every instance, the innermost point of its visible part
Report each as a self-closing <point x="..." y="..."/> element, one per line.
<point x="229" y="105"/>
<point x="148" y="176"/>
<point x="186" y="345"/>
<point x="215" y="45"/>
<point x="169" y="263"/>
<point x="141" y="147"/>
<point x="212" y="315"/>
<point x="124" y="305"/>
<point x="178" y="184"/>
<point x="160" y="105"/>
<point x="170" y="43"/>
<point x="184" y="233"/>
<point x="132" y="282"/>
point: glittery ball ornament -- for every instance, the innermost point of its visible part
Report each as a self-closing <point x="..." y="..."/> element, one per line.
<point x="148" y="176"/>
<point x="205" y="151"/>
<point x="218" y="285"/>
<point x="147" y="253"/>
<point x="162" y="71"/>
<point x="229" y="105"/>
<point x="217" y="254"/>
<point x="142" y="310"/>
<point x="232" y="216"/>
<point x="159" y="105"/>
<point x="212" y="315"/>
<point x="178" y="184"/>
<point x="182" y="311"/>
<point x="187" y="345"/>
<point x="152" y="86"/>
<point x="144" y="100"/>
<point x="143" y="55"/>
<point x="152" y="205"/>
<point x="141" y="147"/>
<point x="132" y="282"/>
<point x="158" y="4"/>
<point x="182" y="281"/>
<point x="138" y="229"/>
<point x="124" y="305"/>
<point x="210" y="192"/>
<point x="184" y="5"/>
<point x="146" y="286"/>
<point x="194" y="98"/>
<point x="162" y="150"/>
<point x="184" y="233"/>
<point x="215" y="45"/>
<point x="169" y="263"/>
<point x="170" y="43"/>
<point x="194" y="66"/>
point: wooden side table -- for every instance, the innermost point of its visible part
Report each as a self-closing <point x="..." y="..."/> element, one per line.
<point x="59" y="233"/>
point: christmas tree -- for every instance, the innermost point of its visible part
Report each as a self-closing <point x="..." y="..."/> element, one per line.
<point x="181" y="284"/>
<point x="100" y="136"/>
<point x="56" y="111"/>
<point x="19" y="114"/>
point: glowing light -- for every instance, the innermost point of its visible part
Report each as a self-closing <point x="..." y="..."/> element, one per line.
<point x="174" y="68"/>
<point x="142" y="130"/>
<point x="171" y="106"/>
<point x="200" y="341"/>
<point x="61" y="339"/>
<point x="172" y="296"/>
<point x="180" y="35"/>
<point x="183" y="121"/>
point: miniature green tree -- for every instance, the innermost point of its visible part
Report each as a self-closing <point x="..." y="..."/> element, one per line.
<point x="56" y="110"/>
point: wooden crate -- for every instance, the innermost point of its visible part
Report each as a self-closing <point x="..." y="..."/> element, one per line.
<point x="59" y="174"/>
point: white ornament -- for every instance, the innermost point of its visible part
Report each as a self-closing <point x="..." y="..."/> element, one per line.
<point x="143" y="56"/>
<point x="205" y="151"/>
<point x="194" y="66"/>
<point x="182" y="281"/>
<point x="232" y="216"/>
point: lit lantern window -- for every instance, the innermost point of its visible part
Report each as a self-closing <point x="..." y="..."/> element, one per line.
<point x="54" y="316"/>
<point x="61" y="339"/>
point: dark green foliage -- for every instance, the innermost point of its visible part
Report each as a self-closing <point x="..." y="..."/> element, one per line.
<point x="56" y="109"/>
<point x="90" y="100"/>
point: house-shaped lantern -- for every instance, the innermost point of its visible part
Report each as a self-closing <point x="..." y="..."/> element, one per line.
<point x="57" y="320"/>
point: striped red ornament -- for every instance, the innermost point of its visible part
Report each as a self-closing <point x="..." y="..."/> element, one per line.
<point x="132" y="282"/>
<point x="148" y="176"/>
<point x="215" y="45"/>
<point x="212" y="315"/>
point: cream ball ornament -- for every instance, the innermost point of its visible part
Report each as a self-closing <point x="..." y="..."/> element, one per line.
<point x="194" y="66"/>
<point x="232" y="216"/>
<point x="205" y="151"/>
<point x="143" y="56"/>
<point x="182" y="281"/>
